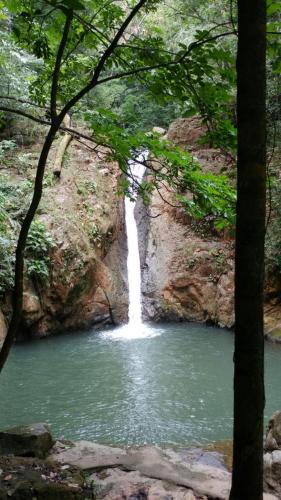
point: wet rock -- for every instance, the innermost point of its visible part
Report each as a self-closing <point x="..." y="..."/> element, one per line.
<point x="33" y="441"/>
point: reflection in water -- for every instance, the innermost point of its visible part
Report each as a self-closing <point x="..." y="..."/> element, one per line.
<point x="171" y="387"/>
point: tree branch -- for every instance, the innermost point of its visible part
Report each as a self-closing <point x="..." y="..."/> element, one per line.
<point x="23" y="101"/>
<point x="73" y="132"/>
<point x="56" y="73"/>
<point x="106" y="55"/>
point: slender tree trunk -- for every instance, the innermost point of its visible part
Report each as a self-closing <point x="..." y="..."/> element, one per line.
<point x="62" y="147"/>
<point x="247" y="477"/>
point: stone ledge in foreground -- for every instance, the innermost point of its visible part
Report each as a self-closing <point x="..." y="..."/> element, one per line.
<point x="148" y="471"/>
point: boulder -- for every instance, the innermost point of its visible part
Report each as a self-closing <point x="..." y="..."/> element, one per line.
<point x="159" y="131"/>
<point x="32" y="310"/>
<point x="146" y="464"/>
<point x="88" y="456"/>
<point x="31" y="440"/>
<point x="187" y="132"/>
<point x="273" y="433"/>
<point x="272" y="472"/>
<point x="272" y="457"/>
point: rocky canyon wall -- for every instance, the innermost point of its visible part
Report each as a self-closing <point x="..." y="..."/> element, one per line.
<point x="188" y="267"/>
<point x="87" y="283"/>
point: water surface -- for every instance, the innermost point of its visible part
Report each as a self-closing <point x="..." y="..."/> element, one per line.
<point x="170" y="385"/>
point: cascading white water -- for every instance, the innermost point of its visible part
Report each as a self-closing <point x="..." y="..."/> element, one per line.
<point x="135" y="329"/>
<point x="133" y="260"/>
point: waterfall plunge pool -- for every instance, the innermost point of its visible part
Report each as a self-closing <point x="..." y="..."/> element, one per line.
<point x="172" y="384"/>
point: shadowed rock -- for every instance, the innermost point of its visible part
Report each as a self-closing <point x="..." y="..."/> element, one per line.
<point x="31" y="440"/>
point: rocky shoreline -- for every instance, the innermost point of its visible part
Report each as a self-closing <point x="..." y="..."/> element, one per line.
<point x="35" y="466"/>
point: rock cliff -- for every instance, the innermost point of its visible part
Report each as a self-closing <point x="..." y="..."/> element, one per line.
<point x="87" y="283"/>
<point x="187" y="268"/>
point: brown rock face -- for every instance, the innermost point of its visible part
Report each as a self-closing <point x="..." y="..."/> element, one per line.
<point x="187" y="270"/>
<point x="87" y="283"/>
<point x="185" y="276"/>
<point x="187" y="132"/>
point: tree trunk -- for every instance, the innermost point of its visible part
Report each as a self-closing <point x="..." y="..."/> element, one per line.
<point x="247" y="477"/>
<point x="62" y="147"/>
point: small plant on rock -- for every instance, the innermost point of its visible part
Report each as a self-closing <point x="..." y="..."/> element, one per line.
<point x="38" y="246"/>
<point x="95" y="234"/>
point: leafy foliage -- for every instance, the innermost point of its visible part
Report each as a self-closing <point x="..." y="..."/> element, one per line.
<point x="6" y="145"/>
<point x="38" y="246"/>
<point x="7" y="261"/>
<point x="199" y="193"/>
<point x="135" y="106"/>
<point x="14" y="199"/>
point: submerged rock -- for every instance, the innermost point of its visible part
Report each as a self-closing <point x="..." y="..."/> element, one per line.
<point x="26" y="441"/>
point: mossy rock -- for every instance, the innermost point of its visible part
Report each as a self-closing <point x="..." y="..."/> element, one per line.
<point x="24" y="490"/>
<point x="55" y="491"/>
<point x="26" y="441"/>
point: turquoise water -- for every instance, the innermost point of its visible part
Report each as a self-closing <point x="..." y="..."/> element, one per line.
<point x="173" y="386"/>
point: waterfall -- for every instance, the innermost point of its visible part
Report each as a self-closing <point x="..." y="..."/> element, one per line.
<point x="133" y="261"/>
<point x="135" y="329"/>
